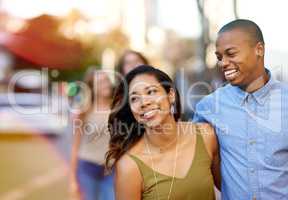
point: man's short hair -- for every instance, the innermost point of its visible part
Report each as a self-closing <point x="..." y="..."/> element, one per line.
<point x="246" y="26"/>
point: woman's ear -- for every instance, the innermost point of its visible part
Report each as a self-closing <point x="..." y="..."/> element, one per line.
<point x="171" y="96"/>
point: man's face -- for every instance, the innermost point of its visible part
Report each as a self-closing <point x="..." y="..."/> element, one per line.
<point x="239" y="57"/>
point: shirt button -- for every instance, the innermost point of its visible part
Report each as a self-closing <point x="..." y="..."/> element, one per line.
<point x="252" y="142"/>
<point x="252" y="170"/>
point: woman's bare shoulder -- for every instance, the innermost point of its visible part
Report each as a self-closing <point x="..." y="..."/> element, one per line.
<point x="126" y="162"/>
<point x="192" y="127"/>
<point x="186" y="127"/>
<point x="126" y="166"/>
<point x="126" y="171"/>
<point x="205" y="130"/>
<point x="208" y="134"/>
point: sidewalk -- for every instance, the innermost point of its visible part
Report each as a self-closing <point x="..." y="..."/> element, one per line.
<point x="31" y="169"/>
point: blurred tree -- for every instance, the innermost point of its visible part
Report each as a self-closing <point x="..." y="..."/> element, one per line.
<point x="40" y="44"/>
<point x="205" y="36"/>
<point x="75" y="25"/>
<point x="59" y="43"/>
<point x="177" y="50"/>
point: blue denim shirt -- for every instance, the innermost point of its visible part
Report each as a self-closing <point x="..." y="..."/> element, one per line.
<point x="252" y="129"/>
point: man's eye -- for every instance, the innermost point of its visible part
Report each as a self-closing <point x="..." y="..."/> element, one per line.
<point x="232" y="54"/>
<point x="219" y="58"/>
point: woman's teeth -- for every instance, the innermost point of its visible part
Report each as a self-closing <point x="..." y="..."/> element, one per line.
<point x="149" y="114"/>
<point x="230" y="73"/>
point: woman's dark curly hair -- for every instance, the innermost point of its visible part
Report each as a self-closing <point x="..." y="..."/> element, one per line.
<point x="124" y="130"/>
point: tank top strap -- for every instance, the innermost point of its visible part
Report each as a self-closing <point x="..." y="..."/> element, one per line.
<point x="135" y="158"/>
<point x="144" y="169"/>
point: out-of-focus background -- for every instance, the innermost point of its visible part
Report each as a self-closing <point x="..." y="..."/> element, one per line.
<point x="46" y="45"/>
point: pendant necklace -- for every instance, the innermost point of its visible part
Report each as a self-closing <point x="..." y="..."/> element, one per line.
<point x="153" y="165"/>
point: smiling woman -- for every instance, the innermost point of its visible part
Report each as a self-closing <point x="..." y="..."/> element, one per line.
<point x="149" y="147"/>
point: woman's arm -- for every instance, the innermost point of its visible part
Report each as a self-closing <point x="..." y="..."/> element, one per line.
<point x="77" y="132"/>
<point x="128" y="180"/>
<point x="211" y="143"/>
<point x="215" y="167"/>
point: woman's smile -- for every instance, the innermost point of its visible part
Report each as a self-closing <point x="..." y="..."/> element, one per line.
<point x="148" y="115"/>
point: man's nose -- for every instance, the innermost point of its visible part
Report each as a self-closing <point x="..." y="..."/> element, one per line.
<point x="223" y="63"/>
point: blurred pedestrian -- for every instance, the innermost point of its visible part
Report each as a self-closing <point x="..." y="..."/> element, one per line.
<point x="156" y="156"/>
<point x="128" y="61"/>
<point x="90" y="141"/>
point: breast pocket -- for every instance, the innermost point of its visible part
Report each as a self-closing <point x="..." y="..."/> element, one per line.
<point x="276" y="148"/>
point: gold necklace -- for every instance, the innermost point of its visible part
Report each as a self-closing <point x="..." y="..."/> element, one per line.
<point x="153" y="167"/>
<point x="162" y="149"/>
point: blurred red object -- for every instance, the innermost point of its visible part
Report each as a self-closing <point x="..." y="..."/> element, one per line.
<point x="50" y="54"/>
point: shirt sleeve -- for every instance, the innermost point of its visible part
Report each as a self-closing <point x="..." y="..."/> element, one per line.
<point x="199" y="115"/>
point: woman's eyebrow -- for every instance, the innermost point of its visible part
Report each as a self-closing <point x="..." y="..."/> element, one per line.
<point x="146" y="88"/>
<point x="133" y="93"/>
<point x="151" y="86"/>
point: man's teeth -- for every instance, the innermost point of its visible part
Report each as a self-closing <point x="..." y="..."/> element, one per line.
<point x="230" y="73"/>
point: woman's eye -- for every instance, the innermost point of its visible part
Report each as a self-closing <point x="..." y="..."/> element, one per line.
<point x="151" y="92"/>
<point x="133" y="99"/>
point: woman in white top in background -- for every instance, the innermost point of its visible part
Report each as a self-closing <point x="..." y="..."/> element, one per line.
<point x="90" y="142"/>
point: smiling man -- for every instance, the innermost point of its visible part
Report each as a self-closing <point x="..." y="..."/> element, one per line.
<point x="250" y="116"/>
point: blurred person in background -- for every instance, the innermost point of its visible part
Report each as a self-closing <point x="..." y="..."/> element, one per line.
<point x="154" y="154"/>
<point x="90" y="141"/>
<point x="128" y="61"/>
<point x="250" y="117"/>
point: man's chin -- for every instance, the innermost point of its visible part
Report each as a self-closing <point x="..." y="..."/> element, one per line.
<point x="235" y="82"/>
<point x="239" y="84"/>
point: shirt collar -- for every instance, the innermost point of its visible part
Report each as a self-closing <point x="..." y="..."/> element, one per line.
<point x="240" y="94"/>
<point x="260" y="95"/>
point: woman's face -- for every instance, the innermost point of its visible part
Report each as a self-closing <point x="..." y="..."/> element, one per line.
<point x="149" y="102"/>
<point x="131" y="60"/>
<point x="103" y="85"/>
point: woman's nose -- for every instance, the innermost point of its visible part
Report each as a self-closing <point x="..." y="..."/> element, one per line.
<point x="145" y="101"/>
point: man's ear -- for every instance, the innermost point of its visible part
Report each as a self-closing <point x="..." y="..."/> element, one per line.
<point x="260" y="49"/>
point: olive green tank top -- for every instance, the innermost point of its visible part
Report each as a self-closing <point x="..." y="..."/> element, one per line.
<point x="196" y="185"/>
